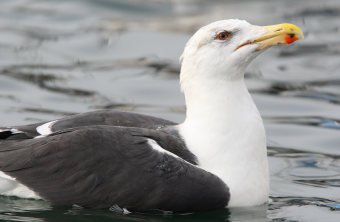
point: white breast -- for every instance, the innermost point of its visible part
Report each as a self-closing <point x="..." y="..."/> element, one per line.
<point x="227" y="136"/>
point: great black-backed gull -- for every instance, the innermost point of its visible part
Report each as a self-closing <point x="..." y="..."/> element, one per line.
<point x="139" y="163"/>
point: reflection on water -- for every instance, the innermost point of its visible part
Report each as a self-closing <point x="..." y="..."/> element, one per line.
<point x="59" y="57"/>
<point x="28" y="210"/>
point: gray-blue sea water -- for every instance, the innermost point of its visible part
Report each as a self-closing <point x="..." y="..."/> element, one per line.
<point x="61" y="57"/>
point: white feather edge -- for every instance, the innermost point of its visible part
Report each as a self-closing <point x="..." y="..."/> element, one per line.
<point x="154" y="145"/>
<point x="5" y="176"/>
<point x="12" y="130"/>
<point x="45" y="129"/>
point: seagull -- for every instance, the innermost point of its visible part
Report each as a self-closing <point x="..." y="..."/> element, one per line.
<point x="131" y="162"/>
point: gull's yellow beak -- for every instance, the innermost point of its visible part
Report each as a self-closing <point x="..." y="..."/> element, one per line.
<point x="277" y="34"/>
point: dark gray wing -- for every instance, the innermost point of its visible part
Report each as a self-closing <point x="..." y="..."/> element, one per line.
<point x="102" y="117"/>
<point x="103" y="166"/>
<point x="111" y="118"/>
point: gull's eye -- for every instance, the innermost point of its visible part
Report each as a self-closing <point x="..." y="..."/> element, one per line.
<point x="222" y="35"/>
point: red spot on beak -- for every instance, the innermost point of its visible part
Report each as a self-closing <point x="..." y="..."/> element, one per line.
<point x="290" y="38"/>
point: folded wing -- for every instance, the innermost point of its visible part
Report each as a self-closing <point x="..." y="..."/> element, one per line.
<point x="104" y="166"/>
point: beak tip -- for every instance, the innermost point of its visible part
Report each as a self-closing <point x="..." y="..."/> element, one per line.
<point x="280" y="34"/>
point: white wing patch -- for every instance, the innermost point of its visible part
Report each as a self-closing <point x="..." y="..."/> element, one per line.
<point x="154" y="145"/>
<point x="45" y="129"/>
<point x="10" y="187"/>
<point x="5" y="176"/>
<point x="15" y="131"/>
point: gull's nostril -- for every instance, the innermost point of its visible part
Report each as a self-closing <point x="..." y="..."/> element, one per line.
<point x="278" y="30"/>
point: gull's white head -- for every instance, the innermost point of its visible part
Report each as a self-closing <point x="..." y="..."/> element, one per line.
<point x="223" y="49"/>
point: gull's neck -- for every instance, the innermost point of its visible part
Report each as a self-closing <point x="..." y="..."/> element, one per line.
<point x="224" y="130"/>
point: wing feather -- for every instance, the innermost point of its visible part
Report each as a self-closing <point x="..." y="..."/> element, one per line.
<point x="103" y="166"/>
